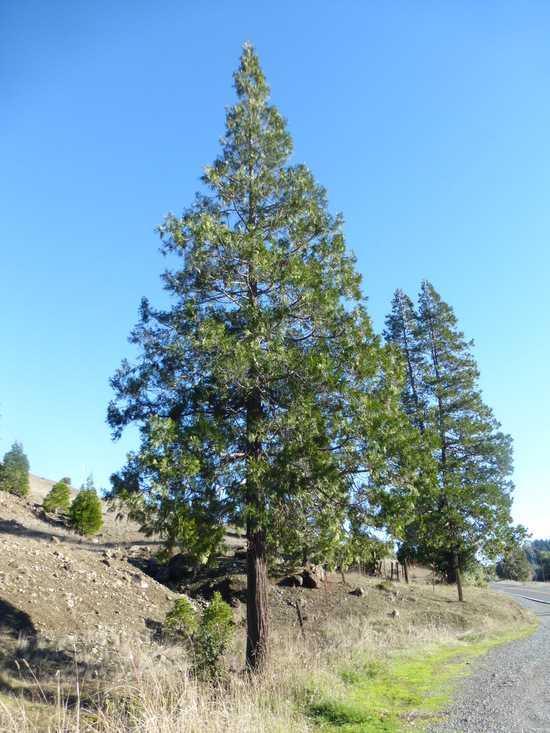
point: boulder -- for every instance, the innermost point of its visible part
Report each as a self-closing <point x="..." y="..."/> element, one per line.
<point x="163" y="574"/>
<point x="313" y="576"/>
<point x="292" y="581"/>
<point x="180" y="569"/>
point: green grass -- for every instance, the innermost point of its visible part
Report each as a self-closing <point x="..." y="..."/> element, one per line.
<point x="383" y="697"/>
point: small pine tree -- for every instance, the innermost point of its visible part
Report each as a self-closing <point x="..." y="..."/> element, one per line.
<point x="14" y="474"/>
<point x="59" y="497"/>
<point x="210" y="638"/>
<point x="214" y="638"/>
<point x="182" y="618"/>
<point x="85" y="514"/>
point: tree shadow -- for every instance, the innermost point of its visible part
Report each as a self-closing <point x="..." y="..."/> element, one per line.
<point x="36" y="668"/>
<point x="15" y="528"/>
<point x="15" y="623"/>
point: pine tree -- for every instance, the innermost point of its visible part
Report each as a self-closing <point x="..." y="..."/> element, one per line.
<point x="401" y="330"/>
<point x="59" y="497"/>
<point x="465" y="511"/>
<point x="14" y="473"/>
<point x="85" y="514"/>
<point x="263" y="396"/>
<point x="514" y="566"/>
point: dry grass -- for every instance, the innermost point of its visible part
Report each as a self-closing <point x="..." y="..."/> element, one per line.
<point x="152" y="690"/>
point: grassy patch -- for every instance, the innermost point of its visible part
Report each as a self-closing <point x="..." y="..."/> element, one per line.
<point x="382" y="697"/>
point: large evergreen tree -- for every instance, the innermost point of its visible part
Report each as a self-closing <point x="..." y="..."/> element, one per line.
<point x="465" y="511"/>
<point x="262" y="395"/>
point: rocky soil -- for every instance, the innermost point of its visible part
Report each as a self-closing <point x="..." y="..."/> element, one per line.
<point x="69" y="602"/>
<point x="66" y="598"/>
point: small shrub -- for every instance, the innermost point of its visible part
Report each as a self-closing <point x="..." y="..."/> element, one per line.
<point x="478" y="575"/>
<point x="59" y="497"/>
<point x="210" y="638"/>
<point x="85" y="513"/>
<point x="214" y="638"/>
<point x="65" y="480"/>
<point x="182" y="618"/>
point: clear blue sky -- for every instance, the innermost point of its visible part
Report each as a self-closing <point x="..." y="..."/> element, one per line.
<point x="427" y="122"/>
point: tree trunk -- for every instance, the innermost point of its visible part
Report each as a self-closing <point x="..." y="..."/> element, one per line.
<point x="256" y="601"/>
<point x="459" y="586"/>
<point x="256" y="553"/>
<point x="456" y="572"/>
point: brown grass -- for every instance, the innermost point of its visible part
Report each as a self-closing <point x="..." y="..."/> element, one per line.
<point x="151" y="688"/>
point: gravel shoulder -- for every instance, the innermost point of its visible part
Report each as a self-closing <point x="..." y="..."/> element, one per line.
<point x="509" y="689"/>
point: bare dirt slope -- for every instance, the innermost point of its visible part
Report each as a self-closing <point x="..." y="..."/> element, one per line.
<point x="67" y="599"/>
<point x="61" y="591"/>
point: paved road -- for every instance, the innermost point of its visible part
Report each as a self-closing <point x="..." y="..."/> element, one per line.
<point x="539" y="592"/>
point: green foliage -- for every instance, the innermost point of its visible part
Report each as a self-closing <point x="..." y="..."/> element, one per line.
<point x="85" y="514"/>
<point x="534" y="548"/>
<point x="263" y="397"/>
<point x="182" y="617"/>
<point x="214" y="638"/>
<point x="211" y="636"/>
<point x="514" y="566"/>
<point x="463" y="509"/>
<point x="543" y="567"/>
<point x="65" y="480"/>
<point x="478" y="575"/>
<point x="14" y="472"/>
<point x="541" y="545"/>
<point x="537" y="553"/>
<point x="59" y="497"/>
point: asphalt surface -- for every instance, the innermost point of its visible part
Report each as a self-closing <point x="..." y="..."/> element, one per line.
<point x="539" y="592"/>
<point x="509" y="689"/>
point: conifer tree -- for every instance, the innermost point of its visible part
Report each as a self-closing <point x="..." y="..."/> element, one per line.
<point x="263" y="396"/>
<point x="59" y="497"/>
<point x="401" y="330"/>
<point x="14" y="472"/>
<point x="85" y="514"/>
<point x="465" y="511"/>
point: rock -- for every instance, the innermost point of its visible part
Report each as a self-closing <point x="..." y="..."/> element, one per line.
<point x="139" y="580"/>
<point x="358" y="591"/>
<point x="179" y="568"/>
<point x="163" y="574"/>
<point x="54" y="540"/>
<point x="313" y="576"/>
<point x="292" y="581"/>
<point x="395" y="613"/>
